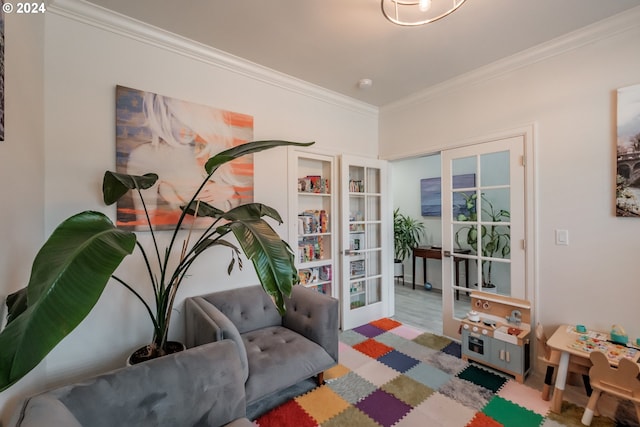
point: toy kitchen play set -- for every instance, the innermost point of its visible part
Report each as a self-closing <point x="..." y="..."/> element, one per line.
<point x="496" y="333"/>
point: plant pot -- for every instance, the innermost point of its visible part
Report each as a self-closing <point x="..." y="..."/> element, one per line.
<point x="491" y="289"/>
<point x="141" y="354"/>
<point x="398" y="268"/>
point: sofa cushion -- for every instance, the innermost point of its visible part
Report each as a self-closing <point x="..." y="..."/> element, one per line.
<point x="278" y="358"/>
<point x="248" y="308"/>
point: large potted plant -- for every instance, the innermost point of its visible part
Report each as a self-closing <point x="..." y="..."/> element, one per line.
<point x="71" y="270"/>
<point x="495" y="238"/>
<point x="407" y="232"/>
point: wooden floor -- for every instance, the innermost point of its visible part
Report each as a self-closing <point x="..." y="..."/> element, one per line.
<point x="422" y="308"/>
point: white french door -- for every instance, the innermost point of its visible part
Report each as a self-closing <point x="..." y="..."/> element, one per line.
<point x="367" y="293"/>
<point x="483" y="224"/>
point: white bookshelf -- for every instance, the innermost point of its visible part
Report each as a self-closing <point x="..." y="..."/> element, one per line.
<point x="314" y="219"/>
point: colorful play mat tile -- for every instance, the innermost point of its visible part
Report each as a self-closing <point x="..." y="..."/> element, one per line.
<point x="383" y="407"/>
<point x="394" y="375"/>
<point x="510" y="414"/>
<point x="373" y="348"/>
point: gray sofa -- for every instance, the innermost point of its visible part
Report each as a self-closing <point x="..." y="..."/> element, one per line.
<point x="276" y="351"/>
<point x="201" y="386"/>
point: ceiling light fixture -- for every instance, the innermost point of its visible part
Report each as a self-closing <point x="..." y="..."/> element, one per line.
<point x="411" y="13"/>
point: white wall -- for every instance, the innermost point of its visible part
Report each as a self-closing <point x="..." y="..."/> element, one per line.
<point x="21" y="159"/>
<point x="83" y="64"/>
<point x="567" y="89"/>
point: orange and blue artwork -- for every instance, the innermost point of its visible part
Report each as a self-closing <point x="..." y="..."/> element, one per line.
<point x="174" y="139"/>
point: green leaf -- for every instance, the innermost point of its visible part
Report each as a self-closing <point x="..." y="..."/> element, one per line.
<point x="252" y="211"/>
<point x="272" y="257"/>
<point x="116" y="185"/>
<point x="68" y="276"/>
<point x="204" y="209"/>
<point x="243" y="149"/>
<point x="16" y="304"/>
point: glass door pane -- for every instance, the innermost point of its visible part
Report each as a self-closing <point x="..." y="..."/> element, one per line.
<point x="482" y="188"/>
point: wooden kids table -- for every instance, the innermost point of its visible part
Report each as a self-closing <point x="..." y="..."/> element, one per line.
<point x="569" y="342"/>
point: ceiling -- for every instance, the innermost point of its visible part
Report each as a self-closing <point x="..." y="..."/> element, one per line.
<point x="335" y="43"/>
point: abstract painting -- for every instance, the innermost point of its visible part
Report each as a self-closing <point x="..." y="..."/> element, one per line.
<point x="174" y="139"/>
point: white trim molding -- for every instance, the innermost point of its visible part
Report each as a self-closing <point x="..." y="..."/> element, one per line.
<point x="107" y="20"/>
<point x="601" y="30"/>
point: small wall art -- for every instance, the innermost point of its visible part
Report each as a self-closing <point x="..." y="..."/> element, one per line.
<point x="174" y="139"/>
<point x="628" y="152"/>
<point x="431" y="194"/>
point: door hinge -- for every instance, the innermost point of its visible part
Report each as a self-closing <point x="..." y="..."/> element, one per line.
<point x="523" y="161"/>
<point x="523" y="244"/>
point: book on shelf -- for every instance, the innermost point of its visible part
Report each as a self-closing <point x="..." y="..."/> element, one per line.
<point x="310" y="248"/>
<point x="313" y="184"/>
<point x="314" y="274"/>
<point x="313" y="221"/>
<point x="356" y="186"/>
<point x="357" y="268"/>
<point x="325" y="273"/>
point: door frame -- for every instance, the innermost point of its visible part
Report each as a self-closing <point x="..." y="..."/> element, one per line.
<point x="529" y="132"/>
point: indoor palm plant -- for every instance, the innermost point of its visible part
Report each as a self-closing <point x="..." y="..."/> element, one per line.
<point x="495" y="238"/>
<point x="407" y="232"/>
<point x="71" y="270"/>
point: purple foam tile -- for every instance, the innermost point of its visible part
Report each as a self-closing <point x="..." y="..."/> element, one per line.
<point x="398" y="361"/>
<point x="369" y="331"/>
<point x="383" y="407"/>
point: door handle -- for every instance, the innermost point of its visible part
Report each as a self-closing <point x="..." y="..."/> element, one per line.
<point x="349" y="252"/>
<point x="447" y="254"/>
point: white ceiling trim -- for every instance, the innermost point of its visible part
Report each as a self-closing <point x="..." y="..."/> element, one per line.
<point x="105" y="19"/>
<point x="606" y="28"/>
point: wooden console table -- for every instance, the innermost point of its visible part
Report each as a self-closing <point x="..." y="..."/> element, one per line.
<point x="432" y="253"/>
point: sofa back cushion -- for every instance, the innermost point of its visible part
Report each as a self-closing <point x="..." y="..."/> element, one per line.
<point x="201" y="386"/>
<point x="249" y="308"/>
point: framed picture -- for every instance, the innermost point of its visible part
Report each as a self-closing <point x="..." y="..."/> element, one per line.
<point x="628" y="152"/>
<point x="174" y="139"/>
<point x="431" y="194"/>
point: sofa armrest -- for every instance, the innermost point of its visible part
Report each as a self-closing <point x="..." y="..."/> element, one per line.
<point x="314" y="316"/>
<point x="205" y="323"/>
<point x="199" y="386"/>
<point x="45" y="410"/>
<point x="199" y="327"/>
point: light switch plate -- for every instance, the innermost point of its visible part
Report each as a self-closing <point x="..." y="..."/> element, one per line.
<point x="562" y="237"/>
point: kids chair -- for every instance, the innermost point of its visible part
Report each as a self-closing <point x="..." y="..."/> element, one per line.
<point x="621" y="382"/>
<point x="551" y="359"/>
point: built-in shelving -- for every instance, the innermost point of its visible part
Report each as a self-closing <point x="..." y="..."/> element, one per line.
<point x="313" y="230"/>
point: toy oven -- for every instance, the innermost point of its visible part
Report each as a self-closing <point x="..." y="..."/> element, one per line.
<point x="476" y="346"/>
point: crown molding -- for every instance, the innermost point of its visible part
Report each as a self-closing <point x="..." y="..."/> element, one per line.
<point x="107" y="20"/>
<point x="600" y="30"/>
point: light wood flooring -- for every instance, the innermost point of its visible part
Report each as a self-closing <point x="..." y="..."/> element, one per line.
<point x="422" y="308"/>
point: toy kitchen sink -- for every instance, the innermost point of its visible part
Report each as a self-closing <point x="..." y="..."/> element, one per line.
<point x="496" y="333"/>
